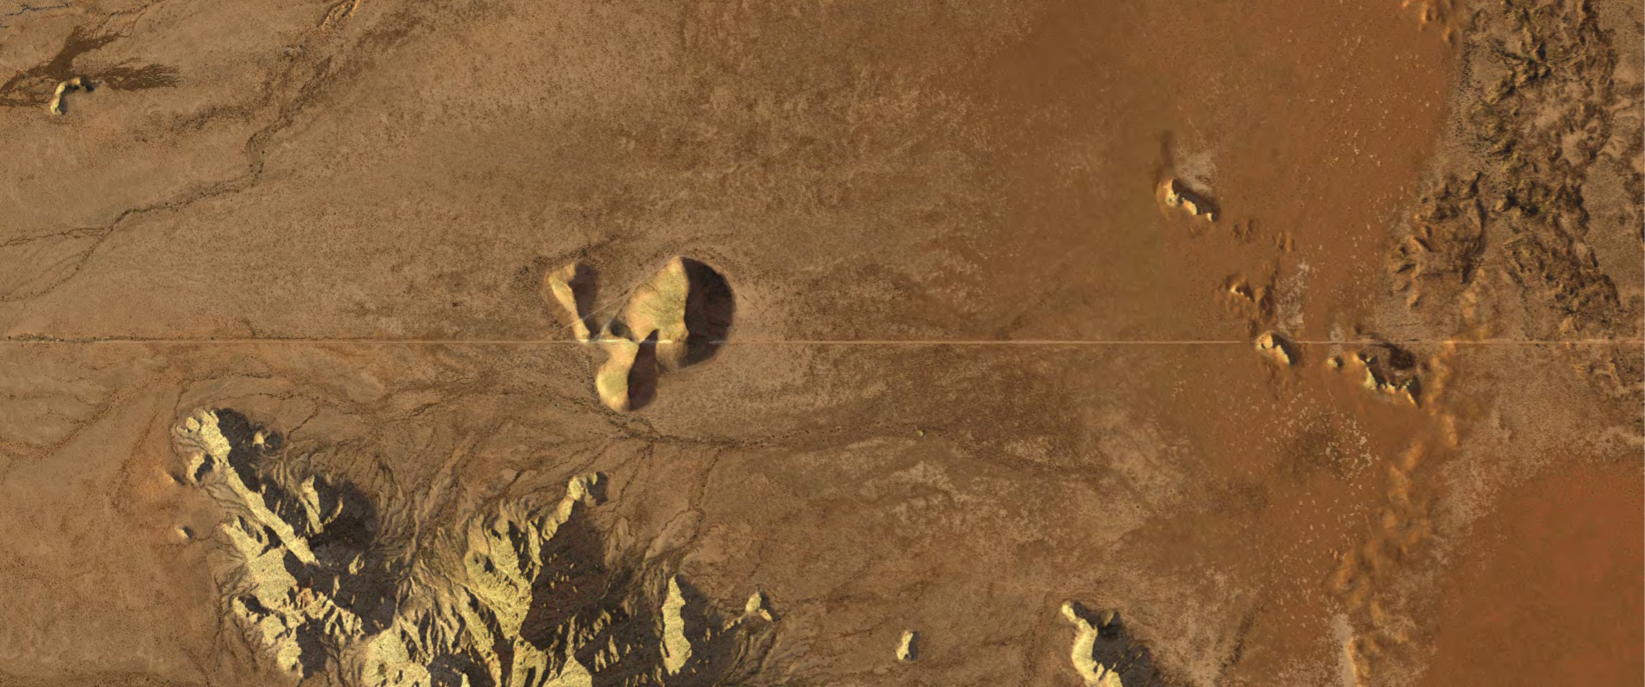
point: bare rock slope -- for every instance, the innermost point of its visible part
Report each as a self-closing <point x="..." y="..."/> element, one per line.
<point x="319" y="580"/>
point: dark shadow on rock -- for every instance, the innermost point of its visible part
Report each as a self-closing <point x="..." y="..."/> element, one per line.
<point x="1393" y="368"/>
<point x="1292" y="351"/>
<point x="584" y="289"/>
<point x="1202" y="202"/>
<point x="462" y="670"/>
<point x="370" y="594"/>
<point x="707" y="660"/>
<point x="1393" y="357"/>
<point x="709" y="310"/>
<point x="707" y="313"/>
<point x="1116" y="648"/>
<point x="350" y="522"/>
<point x="243" y="453"/>
<point x="1126" y="655"/>
<point x="604" y="605"/>
<point x="642" y="377"/>
<point x="606" y="613"/>
<point x="348" y="567"/>
<point x="312" y="653"/>
<point x="577" y="555"/>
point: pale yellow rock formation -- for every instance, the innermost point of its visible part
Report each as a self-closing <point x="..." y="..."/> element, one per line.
<point x="1378" y="372"/>
<point x="573" y="675"/>
<point x="64" y="88"/>
<point x="756" y="607"/>
<point x="1276" y="348"/>
<point x="213" y="449"/>
<point x="1083" y="654"/>
<point x="657" y="309"/>
<point x="1177" y="195"/>
<point x="611" y="382"/>
<point x="562" y="285"/>
<point x="908" y="646"/>
<point x="653" y="316"/>
<point x="471" y="605"/>
<point x="649" y="329"/>
<point x="676" y="648"/>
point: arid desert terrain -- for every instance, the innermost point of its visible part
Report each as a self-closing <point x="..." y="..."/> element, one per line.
<point x="561" y="343"/>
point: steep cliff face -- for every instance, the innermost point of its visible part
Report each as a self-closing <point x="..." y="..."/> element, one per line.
<point x="519" y="595"/>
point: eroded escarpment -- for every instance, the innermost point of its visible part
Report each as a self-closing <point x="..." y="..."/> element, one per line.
<point x="677" y="318"/>
<point x="319" y="581"/>
<point x="1530" y="225"/>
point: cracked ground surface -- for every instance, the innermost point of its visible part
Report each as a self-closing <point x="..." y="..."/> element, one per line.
<point x="1094" y="343"/>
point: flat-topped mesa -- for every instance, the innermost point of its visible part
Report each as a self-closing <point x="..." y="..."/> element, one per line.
<point x="1178" y="195"/>
<point x="678" y="317"/>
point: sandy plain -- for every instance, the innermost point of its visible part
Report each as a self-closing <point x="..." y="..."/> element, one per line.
<point x="287" y="395"/>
